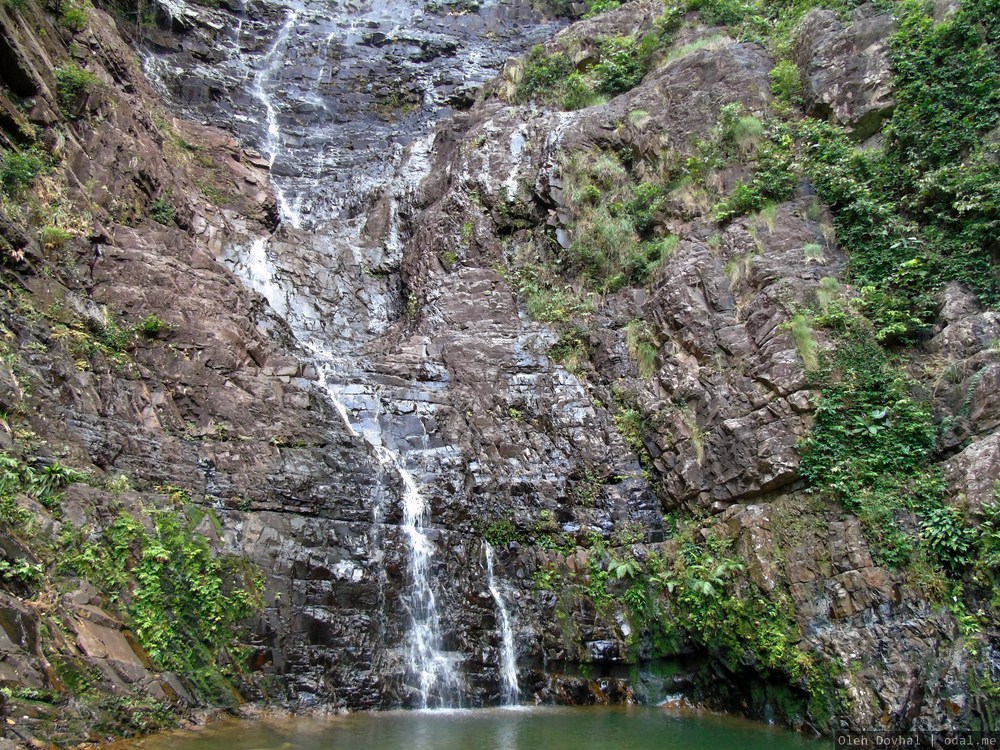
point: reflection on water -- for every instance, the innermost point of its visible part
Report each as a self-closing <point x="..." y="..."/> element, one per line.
<point x="602" y="728"/>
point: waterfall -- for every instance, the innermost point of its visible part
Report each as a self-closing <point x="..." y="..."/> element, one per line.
<point x="438" y="683"/>
<point x="425" y="657"/>
<point x="320" y="190"/>
<point x="273" y="140"/>
<point x="508" y="654"/>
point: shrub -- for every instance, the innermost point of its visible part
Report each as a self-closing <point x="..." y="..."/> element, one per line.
<point x="73" y="17"/>
<point x="162" y="212"/>
<point x="943" y="532"/>
<point x="577" y="93"/>
<point x="73" y="82"/>
<point x="786" y="82"/>
<point x="542" y="73"/>
<point x="53" y="238"/>
<point x="18" y="170"/>
<point x="620" y="67"/>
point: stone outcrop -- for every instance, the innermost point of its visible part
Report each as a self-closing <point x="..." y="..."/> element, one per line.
<point x="845" y="68"/>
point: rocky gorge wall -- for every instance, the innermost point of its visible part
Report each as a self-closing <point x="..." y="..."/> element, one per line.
<point x="549" y="312"/>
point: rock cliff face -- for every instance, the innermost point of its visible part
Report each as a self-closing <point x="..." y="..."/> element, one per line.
<point x="349" y="315"/>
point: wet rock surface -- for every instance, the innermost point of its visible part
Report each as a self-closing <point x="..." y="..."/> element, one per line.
<point x="380" y="317"/>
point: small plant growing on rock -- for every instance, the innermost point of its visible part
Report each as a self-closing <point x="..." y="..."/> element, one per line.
<point x="18" y="170"/>
<point x="501" y="533"/>
<point x="162" y="212"/>
<point x="73" y="17"/>
<point x="801" y="328"/>
<point x="642" y="346"/>
<point x="152" y="325"/>
<point x="52" y="237"/>
<point x="72" y="83"/>
<point x="813" y="252"/>
<point x="117" y="484"/>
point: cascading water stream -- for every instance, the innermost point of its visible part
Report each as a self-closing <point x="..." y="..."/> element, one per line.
<point x="508" y="654"/>
<point x="437" y="679"/>
<point x="438" y="683"/>
<point x="273" y="140"/>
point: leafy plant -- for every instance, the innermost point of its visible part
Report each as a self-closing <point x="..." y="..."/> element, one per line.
<point x="73" y="17"/>
<point x="72" y="83"/>
<point x="152" y="325"/>
<point x="871" y="441"/>
<point x="786" y="82"/>
<point x="53" y="237"/>
<point x="162" y="212"/>
<point x="18" y="170"/>
<point x="943" y="531"/>
<point x="20" y="571"/>
<point x="184" y="603"/>
<point x="502" y="532"/>
<point x="619" y="67"/>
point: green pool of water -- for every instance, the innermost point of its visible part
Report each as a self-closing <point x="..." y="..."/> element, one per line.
<point x="603" y="728"/>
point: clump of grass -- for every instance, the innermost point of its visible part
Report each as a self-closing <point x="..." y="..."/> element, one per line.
<point x="814" y="252"/>
<point x="53" y="237"/>
<point x="827" y="292"/>
<point x="642" y="346"/>
<point x="706" y="42"/>
<point x="805" y="344"/>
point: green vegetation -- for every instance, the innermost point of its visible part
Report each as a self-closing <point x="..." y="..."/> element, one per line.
<point x="502" y="532"/>
<point x="73" y="17"/>
<point x="701" y="597"/>
<point x="162" y="212"/>
<point x="72" y="83"/>
<point x="41" y="484"/>
<point x="615" y="222"/>
<point x="617" y="65"/>
<point x="871" y="445"/>
<point x="18" y="169"/>
<point x="786" y="82"/>
<point x="924" y="211"/>
<point x="184" y="603"/>
<point x="107" y="339"/>
<point x="773" y="179"/>
<point x="152" y="325"/>
<point x="642" y="346"/>
<point x="53" y="237"/>
<point x="566" y="8"/>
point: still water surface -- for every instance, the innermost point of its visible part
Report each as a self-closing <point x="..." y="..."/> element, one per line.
<point x="603" y="728"/>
